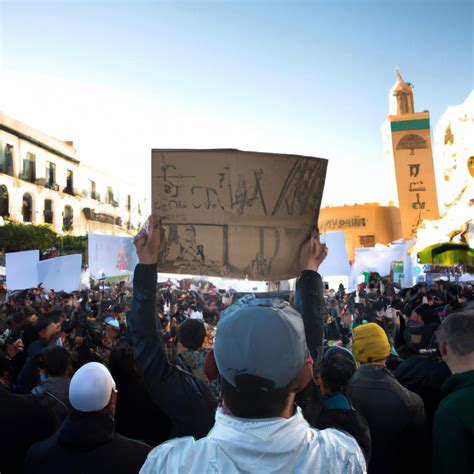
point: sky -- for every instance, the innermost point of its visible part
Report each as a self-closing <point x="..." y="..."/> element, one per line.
<point x="312" y="78"/>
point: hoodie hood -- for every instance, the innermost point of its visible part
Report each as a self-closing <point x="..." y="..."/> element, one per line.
<point x="277" y="439"/>
<point x="86" y="431"/>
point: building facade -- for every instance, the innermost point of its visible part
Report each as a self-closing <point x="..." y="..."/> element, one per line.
<point x="42" y="181"/>
<point x="364" y="225"/>
<point x="407" y="139"/>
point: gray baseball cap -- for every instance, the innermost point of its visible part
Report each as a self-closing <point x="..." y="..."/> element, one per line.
<point x="261" y="337"/>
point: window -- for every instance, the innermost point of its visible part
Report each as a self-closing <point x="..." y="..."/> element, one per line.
<point x="50" y="174"/>
<point x="68" y="219"/>
<point x="6" y="159"/>
<point x="29" y="168"/>
<point x="69" y="183"/>
<point x="367" y="240"/>
<point x="27" y="208"/>
<point x="48" y="211"/>
<point x="109" y="197"/>
<point x="4" y="202"/>
<point x="129" y="203"/>
<point x="92" y="189"/>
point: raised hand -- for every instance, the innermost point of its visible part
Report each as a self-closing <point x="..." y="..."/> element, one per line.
<point x="147" y="242"/>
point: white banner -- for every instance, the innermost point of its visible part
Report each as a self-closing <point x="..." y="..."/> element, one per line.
<point x="61" y="273"/>
<point x="22" y="269"/>
<point x="111" y="255"/>
<point x="337" y="261"/>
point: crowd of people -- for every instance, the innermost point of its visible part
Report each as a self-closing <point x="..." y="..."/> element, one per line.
<point x="186" y="378"/>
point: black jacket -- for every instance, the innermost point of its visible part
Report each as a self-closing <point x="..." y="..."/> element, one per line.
<point x="86" y="443"/>
<point x="425" y="376"/>
<point x="187" y="400"/>
<point x="24" y="420"/>
<point x="309" y="302"/>
<point x="396" y="419"/>
<point x="350" y="421"/>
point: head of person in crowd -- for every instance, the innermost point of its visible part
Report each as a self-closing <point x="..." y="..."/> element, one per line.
<point x="260" y="379"/>
<point x="456" y="341"/>
<point x="92" y="390"/>
<point x="47" y="327"/>
<point x="370" y="344"/>
<point x="57" y="362"/>
<point x="378" y="308"/>
<point x="337" y="369"/>
<point x="13" y="346"/>
<point x="425" y="314"/>
<point x="111" y="330"/>
<point x="191" y="334"/>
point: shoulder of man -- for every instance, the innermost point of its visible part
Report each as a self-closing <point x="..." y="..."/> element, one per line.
<point x="338" y="448"/>
<point x="175" y="455"/>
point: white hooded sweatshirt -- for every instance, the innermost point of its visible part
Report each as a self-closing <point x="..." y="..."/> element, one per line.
<point x="273" y="445"/>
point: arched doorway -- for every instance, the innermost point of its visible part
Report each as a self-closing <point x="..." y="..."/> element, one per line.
<point x="4" y="202"/>
<point x="68" y="218"/>
<point x="27" y="209"/>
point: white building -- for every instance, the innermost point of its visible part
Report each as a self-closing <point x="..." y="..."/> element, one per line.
<point x="42" y="181"/>
<point x="454" y="160"/>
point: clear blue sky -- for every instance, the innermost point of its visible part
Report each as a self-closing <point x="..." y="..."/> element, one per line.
<point x="315" y="73"/>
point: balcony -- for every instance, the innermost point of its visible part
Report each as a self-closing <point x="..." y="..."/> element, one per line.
<point x="91" y="215"/>
<point x="52" y="185"/>
<point x="31" y="178"/>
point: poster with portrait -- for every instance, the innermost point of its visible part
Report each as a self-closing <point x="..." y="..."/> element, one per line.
<point x="236" y="214"/>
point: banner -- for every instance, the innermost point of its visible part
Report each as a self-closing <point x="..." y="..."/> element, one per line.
<point x="379" y="260"/>
<point x="111" y="255"/>
<point x="337" y="261"/>
<point x="235" y="214"/>
<point x="22" y="269"/>
<point x="61" y="273"/>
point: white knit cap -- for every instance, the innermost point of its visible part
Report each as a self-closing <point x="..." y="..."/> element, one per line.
<point x="91" y="388"/>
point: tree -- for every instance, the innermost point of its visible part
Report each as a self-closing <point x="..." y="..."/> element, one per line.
<point x="15" y="237"/>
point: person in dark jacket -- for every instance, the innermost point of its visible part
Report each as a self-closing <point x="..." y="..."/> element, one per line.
<point x="136" y="415"/>
<point x="396" y="416"/>
<point x="24" y="420"/>
<point x="47" y="327"/>
<point x="184" y="398"/>
<point x="86" y="441"/>
<point x="338" y="367"/>
<point x="453" y="429"/>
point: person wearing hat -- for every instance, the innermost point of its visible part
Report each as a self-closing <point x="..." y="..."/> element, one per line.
<point x="261" y="354"/>
<point x="87" y="441"/>
<point x="396" y="416"/>
<point x="337" y="369"/>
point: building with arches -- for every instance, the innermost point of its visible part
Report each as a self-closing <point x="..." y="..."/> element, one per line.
<point x="42" y="181"/>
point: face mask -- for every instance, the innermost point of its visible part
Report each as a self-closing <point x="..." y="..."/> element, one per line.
<point x="42" y="377"/>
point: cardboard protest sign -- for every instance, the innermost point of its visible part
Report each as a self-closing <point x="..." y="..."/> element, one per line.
<point x="61" y="273"/>
<point x="111" y="255"/>
<point x="22" y="269"/>
<point x="235" y="214"/>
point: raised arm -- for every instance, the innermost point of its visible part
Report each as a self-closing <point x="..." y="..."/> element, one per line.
<point x="184" y="398"/>
<point x="309" y="299"/>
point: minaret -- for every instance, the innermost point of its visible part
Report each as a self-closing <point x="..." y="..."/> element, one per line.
<point x="407" y="138"/>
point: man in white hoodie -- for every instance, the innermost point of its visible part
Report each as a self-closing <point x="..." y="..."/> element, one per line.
<point x="260" y="351"/>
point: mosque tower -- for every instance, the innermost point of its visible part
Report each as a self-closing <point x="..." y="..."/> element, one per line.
<point x="407" y="140"/>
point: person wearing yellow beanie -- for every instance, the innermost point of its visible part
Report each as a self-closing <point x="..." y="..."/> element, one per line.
<point x="395" y="415"/>
<point x="370" y="344"/>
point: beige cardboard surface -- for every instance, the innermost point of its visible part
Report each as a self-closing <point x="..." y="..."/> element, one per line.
<point x="233" y="213"/>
